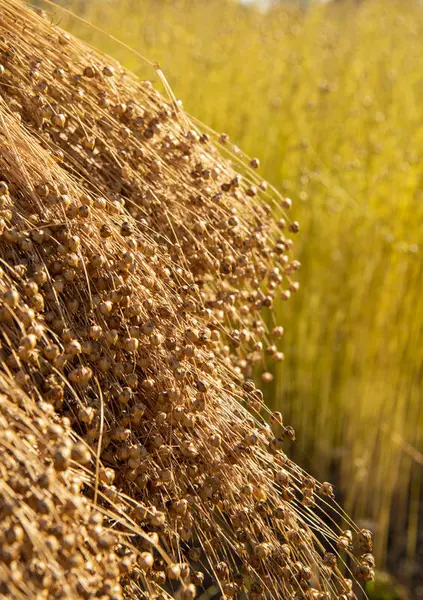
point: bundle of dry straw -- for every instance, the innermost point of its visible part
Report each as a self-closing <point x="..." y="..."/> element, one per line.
<point x="136" y="261"/>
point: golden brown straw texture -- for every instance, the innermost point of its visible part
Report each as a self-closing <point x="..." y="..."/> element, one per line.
<point x="137" y="260"/>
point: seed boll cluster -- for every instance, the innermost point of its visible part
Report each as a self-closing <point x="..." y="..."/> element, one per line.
<point x="138" y="257"/>
<point x="55" y="542"/>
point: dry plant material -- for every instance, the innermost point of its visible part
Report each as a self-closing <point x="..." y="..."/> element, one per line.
<point x="55" y="542"/>
<point x="136" y="263"/>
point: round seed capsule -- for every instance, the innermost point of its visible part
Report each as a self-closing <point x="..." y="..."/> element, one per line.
<point x="108" y="71"/>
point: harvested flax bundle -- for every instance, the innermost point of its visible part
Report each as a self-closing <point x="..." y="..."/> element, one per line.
<point x="135" y="263"/>
<point x="55" y="542"/>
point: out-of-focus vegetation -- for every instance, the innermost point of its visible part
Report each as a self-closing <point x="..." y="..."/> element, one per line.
<point x="331" y="100"/>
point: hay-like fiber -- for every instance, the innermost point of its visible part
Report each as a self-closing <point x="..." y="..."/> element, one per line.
<point x="53" y="537"/>
<point x="136" y="261"/>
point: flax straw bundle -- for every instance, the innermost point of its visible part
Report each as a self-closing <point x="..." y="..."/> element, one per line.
<point x="137" y="257"/>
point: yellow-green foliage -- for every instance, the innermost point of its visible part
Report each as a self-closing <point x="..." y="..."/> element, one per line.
<point x="331" y="100"/>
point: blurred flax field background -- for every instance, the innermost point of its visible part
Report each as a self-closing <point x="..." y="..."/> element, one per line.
<point x="330" y="100"/>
